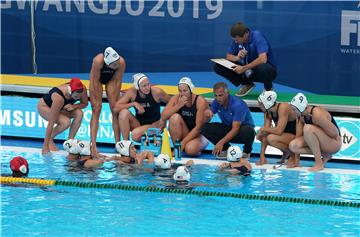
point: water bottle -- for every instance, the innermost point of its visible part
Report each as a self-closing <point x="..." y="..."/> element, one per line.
<point x="177" y="150"/>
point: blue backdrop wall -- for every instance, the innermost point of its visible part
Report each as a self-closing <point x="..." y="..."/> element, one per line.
<point x="316" y="44"/>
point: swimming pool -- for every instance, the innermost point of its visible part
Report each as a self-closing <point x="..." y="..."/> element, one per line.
<point x="74" y="211"/>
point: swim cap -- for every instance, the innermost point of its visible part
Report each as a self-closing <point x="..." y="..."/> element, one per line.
<point x="268" y="99"/>
<point x="137" y="78"/>
<point x="71" y="146"/>
<point x="163" y="161"/>
<point x="234" y="153"/>
<point x="182" y="174"/>
<point x="76" y="85"/>
<point x="110" y="56"/>
<point x="300" y="102"/>
<point x="19" y="165"/>
<point x="84" y="148"/>
<point x="187" y="81"/>
<point x="123" y="147"/>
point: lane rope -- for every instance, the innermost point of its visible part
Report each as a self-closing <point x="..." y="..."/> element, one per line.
<point x="204" y="193"/>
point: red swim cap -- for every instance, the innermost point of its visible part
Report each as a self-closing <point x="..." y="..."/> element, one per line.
<point x="19" y="165"/>
<point x="75" y="84"/>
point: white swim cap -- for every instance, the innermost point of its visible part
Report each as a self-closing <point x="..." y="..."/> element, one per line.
<point x="300" y="102"/>
<point x="137" y="78"/>
<point x="71" y="146"/>
<point x="234" y="153"/>
<point x="182" y="174"/>
<point x="84" y="148"/>
<point x="163" y="161"/>
<point x="110" y="56"/>
<point x="268" y="99"/>
<point x="123" y="147"/>
<point x="187" y="81"/>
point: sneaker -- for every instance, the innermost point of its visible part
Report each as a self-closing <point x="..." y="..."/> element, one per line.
<point x="245" y="89"/>
<point x="222" y="155"/>
<point x="246" y="156"/>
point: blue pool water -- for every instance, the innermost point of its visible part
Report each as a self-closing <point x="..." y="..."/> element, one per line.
<point x="71" y="211"/>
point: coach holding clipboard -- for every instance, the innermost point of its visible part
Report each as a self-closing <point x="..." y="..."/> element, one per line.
<point x="252" y="54"/>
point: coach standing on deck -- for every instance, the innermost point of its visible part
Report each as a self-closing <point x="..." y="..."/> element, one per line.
<point x="107" y="69"/>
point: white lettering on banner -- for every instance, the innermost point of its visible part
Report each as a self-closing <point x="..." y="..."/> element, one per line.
<point x="17" y="120"/>
<point x="57" y="4"/>
<point x="20" y="118"/>
<point x="117" y="8"/>
<point x="87" y="116"/>
<point x="5" y="117"/>
<point x="350" y="23"/>
<point x="80" y="6"/>
<point x="133" y="12"/>
<point x="350" y="31"/>
<point x="174" y="8"/>
<point x="102" y="10"/>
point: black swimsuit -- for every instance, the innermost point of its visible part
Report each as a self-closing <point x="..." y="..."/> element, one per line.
<point x="48" y="100"/>
<point x="243" y="170"/>
<point x="106" y="74"/>
<point x="290" y="126"/>
<point x="189" y="114"/>
<point x="308" y="119"/>
<point x="152" y="109"/>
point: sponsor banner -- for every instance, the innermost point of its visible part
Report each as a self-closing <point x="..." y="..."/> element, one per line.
<point x="19" y="118"/>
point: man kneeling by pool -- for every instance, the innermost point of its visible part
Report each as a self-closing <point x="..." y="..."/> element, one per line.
<point x="236" y="164"/>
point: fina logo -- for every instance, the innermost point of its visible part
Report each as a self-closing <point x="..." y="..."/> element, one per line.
<point x="350" y="31"/>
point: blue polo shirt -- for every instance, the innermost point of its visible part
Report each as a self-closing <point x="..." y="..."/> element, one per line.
<point x="237" y="110"/>
<point x="256" y="45"/>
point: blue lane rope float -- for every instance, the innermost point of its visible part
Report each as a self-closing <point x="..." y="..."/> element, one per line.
<point x="203" y="193"/>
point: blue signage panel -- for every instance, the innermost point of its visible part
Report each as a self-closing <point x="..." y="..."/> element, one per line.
<point x="19" y="117"/>
<point x="316" y="44"/>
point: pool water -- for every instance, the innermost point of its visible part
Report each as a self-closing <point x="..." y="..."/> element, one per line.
<point x="72" y="211"/>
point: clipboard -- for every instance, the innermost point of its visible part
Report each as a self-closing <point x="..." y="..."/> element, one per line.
<point x="224" y="62"/>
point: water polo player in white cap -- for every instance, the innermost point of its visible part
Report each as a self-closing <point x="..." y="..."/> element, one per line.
<point x="59" y="108"/>
<point x="146" y="101"/>
<point x="316" y="133"/>
<point x="282" y="133"/>
<point x="107" y="69"/>
<point x="186" y="114"/>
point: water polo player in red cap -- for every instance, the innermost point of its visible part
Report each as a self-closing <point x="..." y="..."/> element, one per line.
<point x="58" y="107"/>
<point x="19" y="166"/>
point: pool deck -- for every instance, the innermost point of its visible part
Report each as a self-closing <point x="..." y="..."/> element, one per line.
<point x="41" y="83"/>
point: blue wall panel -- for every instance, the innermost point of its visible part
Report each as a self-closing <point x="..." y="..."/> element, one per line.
<point x="158" y="36"/>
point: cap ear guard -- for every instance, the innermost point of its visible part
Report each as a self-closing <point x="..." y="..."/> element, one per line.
<point x="187" y="81"/>
<point x="268" y="99"/>
<point x="84" y="148"/>
<point x="71" y="146"/>
<point x="300" y="102"/>
<point x="110" y="56"/>
<point x="182" y="174"/>
<point x="234" y="153"/>
<point x="163" y="161"/>
<point x="19" y="166"/>
<point x="137" y="78"/>
<point x="123" y="147"/>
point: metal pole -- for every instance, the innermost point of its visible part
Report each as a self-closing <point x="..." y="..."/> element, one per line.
<point x="32" y="36"/>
